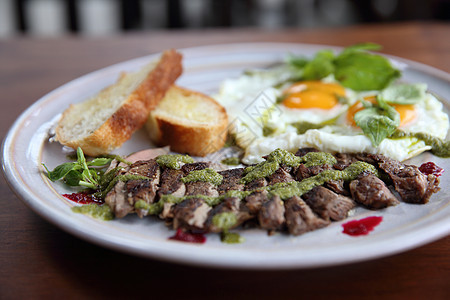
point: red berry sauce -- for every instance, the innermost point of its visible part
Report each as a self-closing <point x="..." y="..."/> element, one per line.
<point x="431" y="168"/>
<point x="361" y="227"/>
<point x="83" y="198"/>
<point x="188" y="237"/>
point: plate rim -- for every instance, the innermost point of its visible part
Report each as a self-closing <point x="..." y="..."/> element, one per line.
<point x="26" y="197"/>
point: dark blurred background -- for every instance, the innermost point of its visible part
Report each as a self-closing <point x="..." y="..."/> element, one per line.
<point x="103" y="17"/>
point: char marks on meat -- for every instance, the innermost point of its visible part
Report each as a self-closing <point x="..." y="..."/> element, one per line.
<point x="327" y="204"/>
<point x="372" y="192"/>
<point x="271" y="214"/>
<point x="171" y="183"/>
<point x="191" y="214"/>
<point x="280" y="175"/>
<point x="258" y="204"/>
<point x="413" y="186"/>
<point x="143" y="189"/>
<point x="256" y="184"/>
<point x="300" y="218"/>
<point x="231" y="180"/>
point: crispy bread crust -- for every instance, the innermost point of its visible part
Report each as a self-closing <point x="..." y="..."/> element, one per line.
<point x="193" y="139"/>
<point x="134" y="112"/>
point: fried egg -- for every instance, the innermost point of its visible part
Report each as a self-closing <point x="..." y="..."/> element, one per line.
<point x="265" y="115"/>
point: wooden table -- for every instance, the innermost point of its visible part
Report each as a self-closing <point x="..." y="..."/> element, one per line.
<point x="38" y="260"/>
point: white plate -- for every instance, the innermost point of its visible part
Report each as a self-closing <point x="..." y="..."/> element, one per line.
<point x="26" y="147"/>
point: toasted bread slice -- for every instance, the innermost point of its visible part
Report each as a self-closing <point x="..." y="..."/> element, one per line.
<point x="189" y="122"/>
<point x="105" y="121"/>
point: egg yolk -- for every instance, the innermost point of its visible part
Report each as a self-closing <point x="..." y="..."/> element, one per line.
<point x="313" y="94"/>
<point x="407" y="112"/>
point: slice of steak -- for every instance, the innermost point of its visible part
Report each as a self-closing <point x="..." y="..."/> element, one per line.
<point x="256" y="184"/>
<point x="191" y="214"/>
<point x="411" y="184"/>
<point x="279" y="176"/>
<point x="271" y="214"/>
<point x="388" y="165"/>
<point x="187" y="168"/>
<point x="372" y="192"/>
<point x="229" y="205"/>
<point x="231" y="180"/>
<point x="143" y="189"/>
<point x="254" y="201"/>
<point x="343" y="160"/>
<point x="300" y="218"/>
<point x="327" y="204"/>
<point x="170" y="183"/>
<point x="414" y="186"/>
<point x="117" y="198"/>
<point x="201" y="188"/>
<point x="301" y="172"/>
<point x="337" y="186"/>
<point x="303" y="151"/>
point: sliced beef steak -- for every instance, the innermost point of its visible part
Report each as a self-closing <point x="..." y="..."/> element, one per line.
<point x="255" y="201"/>
<point x="230" y="205"/>
<point x="300" y="218"/>
<point x="201" y="188"/>
<point x="303" y="151"/>
<point x="413" y="186"/>
<point x="143" y="189"/>
<point x="256" y="184"/>
<point x="231" y="180"/>
<point x="271" y="214"/>
<point x="171" y="183"/>
<point x="187" y="168"/>
<point x="327" y="204"/>
<point x="372" y="192"/>
<point x="280" y="175"/>
<point x="191" y="214"/>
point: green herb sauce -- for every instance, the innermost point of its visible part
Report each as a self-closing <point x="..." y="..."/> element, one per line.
<point x="173" y="161"/>
<point x="231" y="237"/>
<point x="102" y="212"/>
<point x="206" y="175"/>
<point x="231" y="161"/>
<point x="279" y="156"/>
<point x="439" y="147"/>
<point x="224" y="220"/>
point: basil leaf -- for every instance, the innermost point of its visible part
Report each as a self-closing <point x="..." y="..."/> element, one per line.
<point x="364" y="71"/>
<point x="73" y="178"/>
<point x="361" y="47"/>
<point x="296" y="61"/>
<point x="404" y="93"/>
<point x="377" y="124"/>
<point x="60" y="171"/>
<point x="81" y="159"/>
<point x="320" y="66"/>
<point x="100" y="161"/>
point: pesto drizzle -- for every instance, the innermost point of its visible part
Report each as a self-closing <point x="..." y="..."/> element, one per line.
<point x="173" y="161"/>
<point x="279" y="157"/>
<point x="283" y="190"/>
<point x="439" y="147"/>
<point x="206" y="175"/>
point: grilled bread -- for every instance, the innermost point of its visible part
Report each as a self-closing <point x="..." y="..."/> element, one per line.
<point x="105" y="121"/>
<point x="189" y="122"/>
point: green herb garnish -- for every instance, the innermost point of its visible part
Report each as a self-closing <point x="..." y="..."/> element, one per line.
<point x="87" y="174"/>
<point x="354" y="67"/>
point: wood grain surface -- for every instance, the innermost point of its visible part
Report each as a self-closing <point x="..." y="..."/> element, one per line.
<point x="40" y="261"/>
